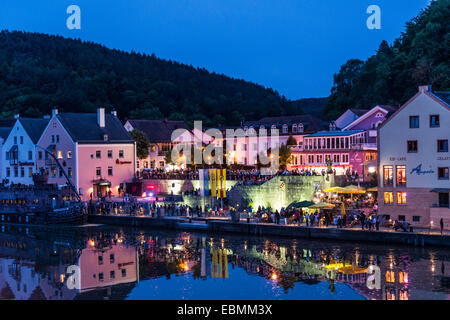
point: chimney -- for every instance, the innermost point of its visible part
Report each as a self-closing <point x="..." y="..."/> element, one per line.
<point x="114" y="113"/>
<point x="54" y="112"/>
<point x="426" y="88"/>
<point x="17" y="116"/>
<point x="101" y="117"/>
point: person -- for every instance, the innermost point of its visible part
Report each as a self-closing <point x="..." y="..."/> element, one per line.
<point x="277" y="217"/>
<point x="441" y="222"/>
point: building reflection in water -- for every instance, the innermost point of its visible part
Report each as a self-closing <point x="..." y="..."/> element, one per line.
<point x="108" y="264"/>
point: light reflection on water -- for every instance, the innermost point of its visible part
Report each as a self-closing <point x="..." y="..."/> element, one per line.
<point x="113" y="263"/>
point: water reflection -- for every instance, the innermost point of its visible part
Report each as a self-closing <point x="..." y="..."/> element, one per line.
<point x="110" y="263"/>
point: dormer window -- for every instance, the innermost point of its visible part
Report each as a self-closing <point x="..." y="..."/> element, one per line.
<point x="300" y="127"/>
<point x="105" y="137"/>
<point x="332" y="127"/>
<point x="285" y="128"/>
<point x="273" y="127"/>
<point x="294" y="128"/>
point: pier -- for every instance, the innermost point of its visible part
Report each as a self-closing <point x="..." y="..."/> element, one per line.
<point x="224" y="225"/>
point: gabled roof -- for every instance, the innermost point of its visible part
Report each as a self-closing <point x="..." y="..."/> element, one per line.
<point x="359" y="112"/>
<point x="158" y="130"/>
<point x="388" y="109"/>
<point x="34" y="127"/>
<point x="310" y="122"/>
<point x="83" y="128"/>
<point x="444" y="96"/>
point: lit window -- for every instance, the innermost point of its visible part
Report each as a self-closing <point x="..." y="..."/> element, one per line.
<point x="388" y="198"/>
<point x="120" y="153"/>
<point x="401" y="197"/>
<point x="110" y="154"/>
<point x="98" y="171"/>
<point x="388" y="175"/>
<point x="110" y="171"/>
<point x="60" y="156"/>
<point x="69" y="154"/>
<point x="98" y="154"/>
<point x="401" y="175"/>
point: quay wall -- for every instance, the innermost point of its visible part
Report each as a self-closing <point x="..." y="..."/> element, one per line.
<point x="258" y="229"/>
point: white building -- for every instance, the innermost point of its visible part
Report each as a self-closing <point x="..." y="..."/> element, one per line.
<point x="19" y="150"/>
<point x="414" y="161"/>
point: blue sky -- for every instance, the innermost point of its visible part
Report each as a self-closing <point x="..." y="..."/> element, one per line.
<point x="293" y="46"/>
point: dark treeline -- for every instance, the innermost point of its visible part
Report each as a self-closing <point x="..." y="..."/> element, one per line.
<point x="420" y="56"/>
<point x="38" y="72"/>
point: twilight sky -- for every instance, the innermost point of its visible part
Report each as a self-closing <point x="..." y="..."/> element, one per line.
<point x="293" y="46"/>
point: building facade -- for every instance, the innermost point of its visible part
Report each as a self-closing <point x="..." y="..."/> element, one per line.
<point x="95" y="152"/>
<point x="414" y="161"/>
<point x="19" y="150"/>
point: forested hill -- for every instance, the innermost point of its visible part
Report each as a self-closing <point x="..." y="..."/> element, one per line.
<point x="420" y="56"/>
<point x="39" y="71"/>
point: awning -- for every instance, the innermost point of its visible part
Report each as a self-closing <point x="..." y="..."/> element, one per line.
<point x="440" y="190"/>
<point x="102" y="182"/>
<point x="302" y="204"/>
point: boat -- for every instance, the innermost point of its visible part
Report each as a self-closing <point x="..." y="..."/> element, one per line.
<point x="41" y="203"/>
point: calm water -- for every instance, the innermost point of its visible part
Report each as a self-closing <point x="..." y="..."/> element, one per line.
<point x="113" y="263"/>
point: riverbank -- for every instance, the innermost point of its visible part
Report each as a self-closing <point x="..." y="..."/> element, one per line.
<point x="421" y="239"/>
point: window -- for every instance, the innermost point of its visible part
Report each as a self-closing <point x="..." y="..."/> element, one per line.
<point x="60" y="172"/>
<point x="98" y="154"/>
<point x="21" y="139"/>
<point x="388" y="198"/>
<point x="416" y="219"/>
<point x="112" y="274"/>
<point x="310" y="158"/>
<point x="443" y="173"/>
<point x="401" y="218"/>
<point x="442" y="146"/>
<point x="69" y="172"/>
<point x="40" y="155"/>
<point x="111" y="258"/>
<point x="161" y="163"/>
<point x="414" y="122"/>
<point x="434" y="121"/>
<point x="100" y="276"/>
<point x="300" y="127"/>
<point x="30" y="155"/>
<point x="110" y="171"/>
<point x="98" y="171"/>
<point x="60" y="155"/>
<point x="412" y="146"/>
<point x="120" y="153"/>
<point x="16" y="172"/>
<point x="30" y="172"/>
<point x="388" y="175"/>
<point x="57" y="138"/>
<point x="294" y="128"/>
<point x="443" y="199"/>
<point x="110" y="154"/>
<point x="401" y="197"/>
<point x="401" y="175"/>
<point x="53" y="138"/>
<point x="8" y="171"/>
<point x="137" y="164"/>
<point x="285" y="128"/>
<point x="15" y="140"/>
<point x="69" y="154"/>
<point x="100" y="259"/>
<point x="124" y="272"/>
<point x="22" y="171"/>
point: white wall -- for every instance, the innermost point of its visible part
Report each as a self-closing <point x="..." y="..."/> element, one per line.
<point x="23" y="148"/>
<point x="395" y="133"/>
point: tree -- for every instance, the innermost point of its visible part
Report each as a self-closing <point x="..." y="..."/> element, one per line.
<point x="285" y="156"/>
<point x="291" y="141"/>
<point x="142" y="143"/>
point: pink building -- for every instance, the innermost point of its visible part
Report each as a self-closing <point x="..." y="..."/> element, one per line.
<point x="95" y="151"/>
<point x="351" y="144"/>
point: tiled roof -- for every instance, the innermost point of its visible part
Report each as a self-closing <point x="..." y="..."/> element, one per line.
<point x="158" y="130"/>
<point x="34" y="127"/>
<point x="83" y="128"/>
<point x="333" y="133"/>
<point x="310" y="122"/>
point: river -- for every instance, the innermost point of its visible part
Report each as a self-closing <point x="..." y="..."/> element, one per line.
<point x="100" y="262"/>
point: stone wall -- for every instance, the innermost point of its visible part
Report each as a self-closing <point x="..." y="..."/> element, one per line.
<point x="279" y="192"/>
